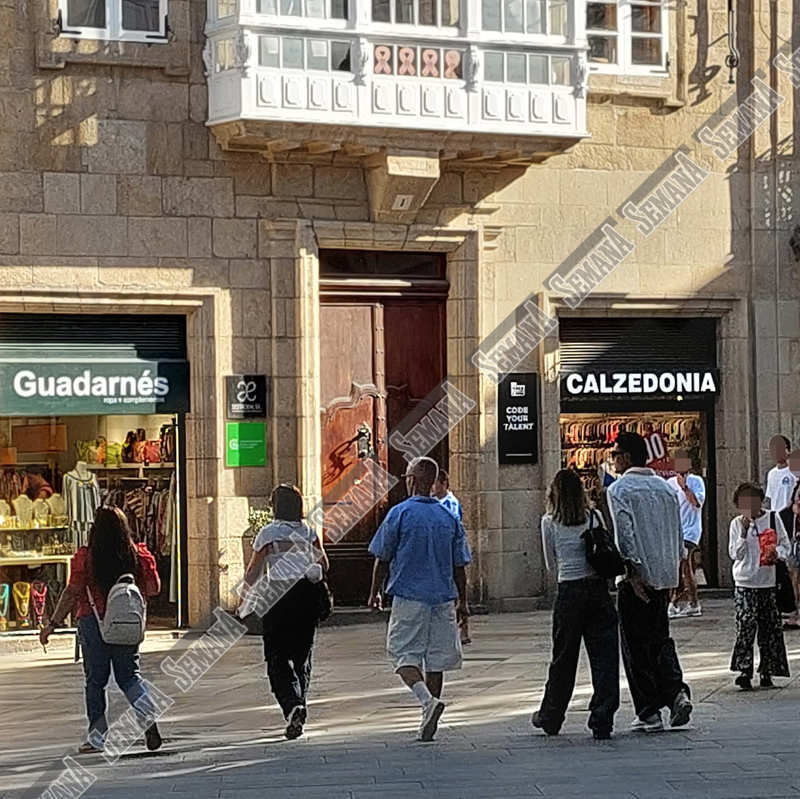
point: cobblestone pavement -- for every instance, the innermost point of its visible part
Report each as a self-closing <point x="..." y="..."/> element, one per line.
<point x="223" y="738"/>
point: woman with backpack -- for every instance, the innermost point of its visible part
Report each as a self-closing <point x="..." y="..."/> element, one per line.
<point x="757" y="540"/>
<point x="290" y="624"/>
<point x="583" y="610"/>
<point x="99" y="576"/>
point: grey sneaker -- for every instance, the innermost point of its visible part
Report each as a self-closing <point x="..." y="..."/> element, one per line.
<point x="653" y="723"/>
<point x="693" y="610"/>
<point x="681" y="710"/>
<point x="430" y="719"/>
<point x="637" y="723"/>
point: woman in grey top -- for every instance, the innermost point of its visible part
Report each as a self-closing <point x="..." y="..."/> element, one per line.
<point x="583" y="610"/>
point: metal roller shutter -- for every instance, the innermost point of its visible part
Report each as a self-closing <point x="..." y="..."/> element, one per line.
<point x="157" y="337"/>
<point x="650" y="343"/>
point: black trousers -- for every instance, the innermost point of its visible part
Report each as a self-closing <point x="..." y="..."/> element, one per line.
<point x="583" y="610"/>
<point x="289" y="629"/>
<point x="648" y="653"/>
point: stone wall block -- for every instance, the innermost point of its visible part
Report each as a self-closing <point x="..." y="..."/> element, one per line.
<point x="164" y="147"/>
<point x="200" y="238"/>
<point x="157" y="238"/>
<point x="62" y="193"/>
<point x="98" y="194"/>
<point x="121" y="148"/>
<point x="140" y="195"/>
<point x="198" y="197"/>
<point x="92" y="235"/>
<point x="292" y="180"/>
<point x="9" y="234"/>
<point x="159" y="101"/>
<point x="37" y="234"/>
<point x="235" y="238"/>
<point x="335" y="182"/>
<point x="249" y="274"/>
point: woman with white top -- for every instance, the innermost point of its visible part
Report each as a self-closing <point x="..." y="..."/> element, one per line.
<point x="757" y="540"/>
<point x="288" y="547"/>
<point x="583" y="610"/>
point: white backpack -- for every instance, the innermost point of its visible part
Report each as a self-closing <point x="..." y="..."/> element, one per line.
<point x="126" y="613"/>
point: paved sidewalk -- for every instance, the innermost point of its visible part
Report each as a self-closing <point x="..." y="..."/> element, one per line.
<point x="223" y="738"/>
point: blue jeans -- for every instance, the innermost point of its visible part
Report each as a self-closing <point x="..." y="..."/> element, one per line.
<point x="98" y="658"/>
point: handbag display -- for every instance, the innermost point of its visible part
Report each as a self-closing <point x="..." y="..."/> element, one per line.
<point x="601" y="551"/>
<point x="151" y="452"/>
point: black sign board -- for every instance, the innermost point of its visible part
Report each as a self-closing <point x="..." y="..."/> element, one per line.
<point x="639" y="384"/>
<point x="247" y="396"/>
<point x="518" y="418"/>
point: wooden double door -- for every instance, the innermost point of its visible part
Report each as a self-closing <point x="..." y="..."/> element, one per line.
<point x="379" y="359"/>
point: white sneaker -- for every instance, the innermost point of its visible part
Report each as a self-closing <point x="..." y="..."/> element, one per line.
<point x="637" y="723"/>
<point x="653" y="723"/>
<point x="674" y="612"/>
<point x="693" y="610"/>
<point x="431" y="714"/>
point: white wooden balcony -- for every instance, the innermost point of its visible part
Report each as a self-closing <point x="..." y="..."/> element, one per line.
<point x="494" y="80"/>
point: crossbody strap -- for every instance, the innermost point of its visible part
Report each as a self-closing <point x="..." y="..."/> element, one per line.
<point x="91" y="602"/>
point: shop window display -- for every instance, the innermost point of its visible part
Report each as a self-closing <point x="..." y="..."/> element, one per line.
<point x="47" y="507"/>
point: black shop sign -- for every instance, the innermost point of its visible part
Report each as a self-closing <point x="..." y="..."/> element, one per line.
<point x="518" y="418"/>
<point x="247" y="396"/>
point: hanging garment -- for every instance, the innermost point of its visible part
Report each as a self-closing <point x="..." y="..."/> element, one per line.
<point x="83" y="498"/>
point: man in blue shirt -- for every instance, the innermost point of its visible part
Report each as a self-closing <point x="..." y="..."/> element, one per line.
<point x="424" y="548"/>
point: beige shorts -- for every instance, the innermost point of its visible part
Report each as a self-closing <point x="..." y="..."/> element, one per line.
<point x="425" y="636"/>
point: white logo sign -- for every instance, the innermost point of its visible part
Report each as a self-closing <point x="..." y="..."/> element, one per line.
<point x="246" y="391"/>
<point x="234" y="444"/>
<point x="517" y="389"/>
<point x="641" y="383"/>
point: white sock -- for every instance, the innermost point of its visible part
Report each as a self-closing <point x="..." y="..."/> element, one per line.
<point x="422" y="693"/>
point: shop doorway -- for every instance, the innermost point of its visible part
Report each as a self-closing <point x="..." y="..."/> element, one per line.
<point x="588" y="438"/>
<point x="382" y="350"/>
<point x="93" y="414"/>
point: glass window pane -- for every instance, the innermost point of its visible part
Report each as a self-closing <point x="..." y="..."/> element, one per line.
<point x="315" y="8"/>
<point x="339" y="9"/>
<point x="340" y="56"/>
<point x="267" y="7"/>
<point x="140" y="15"/>
<point x="493" y="69"/>
<point x="427" y="12"/>
<point x="451" y="12"/>
<point x="515" y="66"/>
<point x="601" y="16"/>
<point x="292" y="8"/>
<point x="491" y="15"/>
<point x="646" y="51"/>
<point x="317" y="54"/>
<point x="223" y="55"/>
<point x="512" y="16"/>
<point x="646" y="19"/>
<point x="292" y="53"/>
<point x="268" y="51"/>
<point x="86" y="13"/>
<point x="404" y="11"/>
<point x="380" y="11"/>
<point x="452" y="64"/>
<point x="537" y="69"/>
<point x="603" y="49"/>
<point x="558" y="17"/>
<point x="535" y="15"/>
<point x="560" y="71"/>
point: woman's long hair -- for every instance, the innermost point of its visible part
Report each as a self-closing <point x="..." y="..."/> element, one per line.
<point x="566" y="498"/>
<point x="112" y="552"/>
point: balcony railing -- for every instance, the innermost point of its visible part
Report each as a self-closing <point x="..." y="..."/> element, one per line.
<point x="329" y="64"/>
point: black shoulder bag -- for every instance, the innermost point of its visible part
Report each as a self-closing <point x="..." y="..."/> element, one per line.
<point x="601" y="551"/>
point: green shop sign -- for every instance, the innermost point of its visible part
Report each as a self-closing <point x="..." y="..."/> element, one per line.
<point x="246" y="444"/>
<point x="77" y="382"/>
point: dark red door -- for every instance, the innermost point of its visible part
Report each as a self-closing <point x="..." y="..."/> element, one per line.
<point x="379" y="359"/>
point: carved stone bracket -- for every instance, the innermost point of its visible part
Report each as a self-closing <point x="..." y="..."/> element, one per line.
<point x="473" y="68"/>
<point x="362" y="56"/>
<point x="241" y="52"/>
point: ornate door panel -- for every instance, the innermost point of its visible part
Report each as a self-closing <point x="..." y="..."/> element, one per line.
<point x="415" y="365"/>
<point x="353" y="430"/>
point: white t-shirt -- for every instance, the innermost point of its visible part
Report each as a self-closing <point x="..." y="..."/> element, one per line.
<point x="691" y="517"/>
<point x="780" y="484"/>
<point x="746" y="554"/>
<point x="297" y="532"/>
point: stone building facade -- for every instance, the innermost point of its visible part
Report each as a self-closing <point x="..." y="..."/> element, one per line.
<point x="118" y="196"/>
